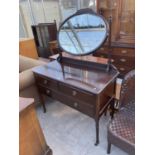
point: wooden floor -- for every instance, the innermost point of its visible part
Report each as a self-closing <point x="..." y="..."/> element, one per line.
<point x="69" y="132"/>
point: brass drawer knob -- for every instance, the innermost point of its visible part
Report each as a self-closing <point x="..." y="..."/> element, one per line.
<point x="45" y="81"/>
<point x="74" y="92"/>
<point x="123" y="60"/>
<point x="47" y="91"/>
<point x="75" y="104"/>
<point x="124" y="51"/>
<point x="122" y="69"/>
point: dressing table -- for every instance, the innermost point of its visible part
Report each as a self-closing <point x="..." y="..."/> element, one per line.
<point x="76" y="78"/>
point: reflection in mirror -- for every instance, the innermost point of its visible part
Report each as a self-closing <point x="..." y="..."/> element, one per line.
<point x="82" y="34"/>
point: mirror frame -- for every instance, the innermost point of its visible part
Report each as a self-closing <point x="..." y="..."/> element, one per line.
<point x="81" y="12"/>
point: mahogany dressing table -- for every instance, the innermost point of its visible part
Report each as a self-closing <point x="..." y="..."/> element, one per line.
<point x="83" y="82"/>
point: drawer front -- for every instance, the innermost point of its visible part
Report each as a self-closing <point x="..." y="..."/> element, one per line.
<point x="119" y="60"/>
<point x="77" y="93"/>
<point x="45" y="91"/>
<point x="123" y="61"/>
<point x="124" y="52"/>
<point x="85" y="108"/>
<point x="46" y="82"/>
<point x="124" y="69"/>
<point x="130" y="52"/>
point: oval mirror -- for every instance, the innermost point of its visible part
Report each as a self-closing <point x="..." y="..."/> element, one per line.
<point x="82" y="33"/>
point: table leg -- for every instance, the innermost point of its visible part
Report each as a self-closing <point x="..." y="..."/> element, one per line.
<point x="42" y="102"/>
<point x="97" y="131"/>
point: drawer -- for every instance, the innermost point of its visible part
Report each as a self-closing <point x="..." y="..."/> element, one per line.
<point x="123" y="60"/>
<point x="46" y="82"/>
<point x="77" y="93"/>
<point x="130" y="52"/>
<point x="85" y="108"/>
<point x="45" y="91"/>
<point x="124" y="52"/>
<point x="124" y="69"/>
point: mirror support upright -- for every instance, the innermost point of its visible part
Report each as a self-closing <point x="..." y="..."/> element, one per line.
<point x="109" y="43"/>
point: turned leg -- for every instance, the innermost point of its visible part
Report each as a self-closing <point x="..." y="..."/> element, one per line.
<point x="112" y="109"/>
<point x="97" y="132"/>
<point x="112" y="114"/>
<point x="109" y="148"/>
<point x="48" y="151"/>
<point x="107" y="108"/>
<point x="42" y="102"/>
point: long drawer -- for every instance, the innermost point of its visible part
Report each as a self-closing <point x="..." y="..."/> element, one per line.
<point x="76" y="104"/>
<point x="77" y="94"/>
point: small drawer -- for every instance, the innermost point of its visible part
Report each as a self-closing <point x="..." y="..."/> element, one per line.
<point x="46" y="82"/>
<point x="77" y="93"/>
<point x="45" y="91"/>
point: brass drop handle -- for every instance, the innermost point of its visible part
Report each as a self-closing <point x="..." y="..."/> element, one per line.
<point x="47" y="91"/>
<point x="124" y="51"/>
<point x="123" y="60"/>
<point x="74" y="92"/>
<point x="45" y="81"/>
<point x="75" y="104"/>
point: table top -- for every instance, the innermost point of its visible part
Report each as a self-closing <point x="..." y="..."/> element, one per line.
<point x="91" y="80"/>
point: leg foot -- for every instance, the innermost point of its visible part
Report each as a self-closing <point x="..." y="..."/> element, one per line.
<point x="112" y="114"/>
<point x="97" y="132"/>
<point x="43" y="103"/>
<point x="109" y="148"/>
<point x="105" y="113"/>
<point x="96" y="143"/>
<point x="44" y="108"/>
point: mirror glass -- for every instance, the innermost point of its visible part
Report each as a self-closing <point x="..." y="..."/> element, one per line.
<point x="82" y="34"/>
